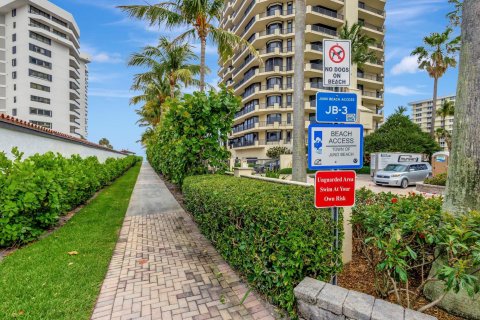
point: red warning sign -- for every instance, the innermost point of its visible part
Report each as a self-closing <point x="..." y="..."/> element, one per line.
<point x="335" y="189"/>
<point x="337" y="54"/>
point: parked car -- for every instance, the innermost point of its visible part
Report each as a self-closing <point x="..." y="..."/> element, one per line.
<point x="270" y="165"/>
<point x="403" y="174"/>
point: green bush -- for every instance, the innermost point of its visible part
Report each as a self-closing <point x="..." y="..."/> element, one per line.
<point x="289" y="171"/>
<point x="438" y="180"/>
<point x="276" y="152"/>
<point x="187" y="140"/>
<point x="270" y="232"/>
<point x="364" y="170"/>
<point x="34" y="192"/>
<point x="403" y="236"/>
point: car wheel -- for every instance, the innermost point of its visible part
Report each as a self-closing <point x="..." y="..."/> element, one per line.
<point x="404" y="183"/>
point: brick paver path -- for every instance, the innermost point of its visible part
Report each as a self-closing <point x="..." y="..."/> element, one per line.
<point x="163" y="268"/>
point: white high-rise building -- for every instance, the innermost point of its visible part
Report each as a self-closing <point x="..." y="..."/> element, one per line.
<point x="43" y="75"/>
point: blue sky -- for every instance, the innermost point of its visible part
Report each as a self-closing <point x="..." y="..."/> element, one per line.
<point x="110" y="37"/>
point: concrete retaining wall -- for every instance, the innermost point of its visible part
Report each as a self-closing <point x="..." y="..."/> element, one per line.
<point x="317" y="300"/>
<point x="31" y="142"/>
<point x="430" y="188"/>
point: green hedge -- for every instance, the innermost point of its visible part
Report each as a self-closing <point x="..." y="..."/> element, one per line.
<point x="270" y="232"/>
<point x="438" y="180"/>
<point x="34" y="192"/>
<point x="364" y="170"/>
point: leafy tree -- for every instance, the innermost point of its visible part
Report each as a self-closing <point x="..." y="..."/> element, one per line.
<point x="275" y="152"/>
<point x="202" y="16"/>
<point x="105" y="143"/>
<point x="168" y="59"/>
<point x="191" y="137"/>
<point x="447" y="109"/>
<point x="436" y="57"/>
<point x="400" y="134"/>
<point x="361" y="52"/>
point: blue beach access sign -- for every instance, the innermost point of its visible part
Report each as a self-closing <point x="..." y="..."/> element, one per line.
<point x="335" y="146"/>
<point x="336" y="107"/>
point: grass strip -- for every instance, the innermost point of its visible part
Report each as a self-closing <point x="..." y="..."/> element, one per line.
<point x="44" y="281"/>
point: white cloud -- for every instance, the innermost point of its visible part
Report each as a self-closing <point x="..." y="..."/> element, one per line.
<point x="102" y="56"/>
<point x="110" y="93"/>
<point x="402" y="91"/>
<point x="408" y="64"/>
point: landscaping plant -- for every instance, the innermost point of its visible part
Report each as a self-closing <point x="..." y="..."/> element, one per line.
<point x="269" y="232"/>
<point x="438" y="180"/>
<point x="192" y="135"/>
<point x="403" y="237"/>
<point x="276" y="152"/>
<point x="36" y="191"/>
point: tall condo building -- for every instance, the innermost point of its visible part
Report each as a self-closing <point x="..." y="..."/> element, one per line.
<point x="422" y="114"/>
<point x="43" y="75"/>
<point x="266" y="89"/>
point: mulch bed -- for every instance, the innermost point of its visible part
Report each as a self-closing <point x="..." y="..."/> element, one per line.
<point x="358" y="276"/>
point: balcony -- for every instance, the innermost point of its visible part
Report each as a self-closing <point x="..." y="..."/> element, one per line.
<point x="323" y="30"/>
<point x="363" y="6"/>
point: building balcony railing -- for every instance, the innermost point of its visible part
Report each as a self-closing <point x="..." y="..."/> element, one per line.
<point x="372" y="94"/>
<point x="372" y="26"/>
<point x="327" y="12"/>
<point x="363" y="6"/>
<point x="324" y="30"/>
<point x="370" y="76"/>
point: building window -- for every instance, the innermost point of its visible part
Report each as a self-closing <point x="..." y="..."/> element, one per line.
<point x="272" y="100"/>
<point x="61" y="34"/>
<point x="14" y="112"/>
<point x="61" y="22"/>
<point x="14" y="75"/>
<point x="40" y="38"/>
<point x="274" y="136"/>
<point x="39" y="87"/>
<point x="40" y="50"/>
<point x="14" y="24"/>
<point x="39" y="12"/>
<point x="14" y="49"/>
<point x="274" y="26"/>
<point x="40" y="63"/>
<point x="39" y="99"/>
<point x="276" y="117"/>
<point x="42" y="124"/>
<point x="14" y="87"/>
<point x="274" y="44"/>
<point x="40" y="75"/>
<point x="272" y="62"/>
<point x="14" y="62"/>
<point x="41" y="112"/>
<point x="14" y="12"/>
<point x="35" y="23"/>
<point x="14" y="37"/>
<point x="272" y="82"/>
<point x="15" y="99"/>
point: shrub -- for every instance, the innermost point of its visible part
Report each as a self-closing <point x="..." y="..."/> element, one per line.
<point x="402" y="237"/>
<point x="289" y="171"/>
<point x="364" y="170"/>
<point x="270" y="232"/>
<point x="34" y="192"/>
<point x="188" y="139"/>
<point x="438" y="180"/>
<point x="275" y="174"/>
<point x="276" y="152"/>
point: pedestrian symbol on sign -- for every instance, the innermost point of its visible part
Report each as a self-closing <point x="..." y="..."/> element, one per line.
<point x="317" y="141"/>
<point x="337" y="54"/>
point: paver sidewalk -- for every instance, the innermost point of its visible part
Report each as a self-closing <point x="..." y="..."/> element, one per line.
<point x="163" y="268"/>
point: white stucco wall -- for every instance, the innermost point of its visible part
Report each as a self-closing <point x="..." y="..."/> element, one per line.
<point x="31" y="143"/>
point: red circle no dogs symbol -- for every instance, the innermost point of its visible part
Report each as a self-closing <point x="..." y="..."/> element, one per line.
<point x="337" y="54"/>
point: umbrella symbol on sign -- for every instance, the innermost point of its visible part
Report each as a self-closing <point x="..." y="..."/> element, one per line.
<point x="337" y="53"/>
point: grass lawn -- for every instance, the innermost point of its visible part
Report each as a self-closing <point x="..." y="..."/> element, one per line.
<point x="42" y="281"/>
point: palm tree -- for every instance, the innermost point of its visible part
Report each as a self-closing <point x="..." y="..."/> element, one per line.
<point x="168" y="59"/>
<point x="447" y="109"/>
<point x="360" y="43"/>
<point x="436" y="58"/>
<point x="299" y="171"/>
<point x="442" y="133"/>
<point x="202" y="16"/>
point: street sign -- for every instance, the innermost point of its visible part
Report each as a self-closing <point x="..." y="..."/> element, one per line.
<point x="336" y="63"/>
<point x="334" y="189"/>
<point x="335" y="146"/>
<point x="336" y="107"/>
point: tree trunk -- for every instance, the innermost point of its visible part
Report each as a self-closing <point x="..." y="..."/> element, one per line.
<point x="203" y="46"/>
<point x="299" y="161"/>
<point x="172" y="87"/>
<point x="463" y="185"/>
<point x="434" y="110"/>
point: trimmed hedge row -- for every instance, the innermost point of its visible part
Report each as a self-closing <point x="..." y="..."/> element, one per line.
<point x="34" y="192"/>
<point x="270" y="232"/>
